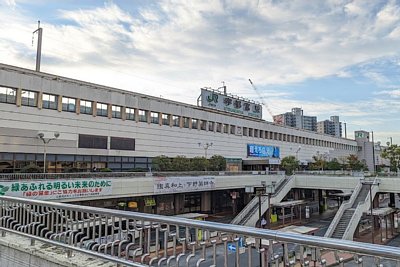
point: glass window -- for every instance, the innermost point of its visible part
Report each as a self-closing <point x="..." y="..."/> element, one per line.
<point x="130" y="114"/>
<point x="50" y="101"/>
<point x="29" y="98"/>
<point x="165" y="119"/>
<point x="232" y="129"/>
<point x="194" y="123"/>
<point x="203" y="125"/>
<point x="255" y="132"/>
<point x="86" y="107"/>
<point x="154" y="117"/>
<point x="92" y="141"/>
<point x="68" y="104"/>
<point x="175" y="120"/>
<point x="219" y="127"/>
<point x="211" y="126"/>
<point x="245" y="131"/>
<point x="102" y="109"/>
<point x="116" y="112"/>
<point x="120" y="143"/>
<point x="8" y="95"/>
<point x="226" y="126"/>
<point x="185" y="122"/>
<point x="143" y="115"/>
<point x="251" y="132"/>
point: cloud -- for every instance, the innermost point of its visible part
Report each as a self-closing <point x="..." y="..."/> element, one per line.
<point x="390" y="93"/>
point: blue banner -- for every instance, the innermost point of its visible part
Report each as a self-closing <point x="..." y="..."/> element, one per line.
<point x="261" y="151"/>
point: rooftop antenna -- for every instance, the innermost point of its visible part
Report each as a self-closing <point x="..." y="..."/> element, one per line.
<point x="39" y="31"/>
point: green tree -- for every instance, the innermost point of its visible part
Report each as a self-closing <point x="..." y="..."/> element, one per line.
<point x="392" y="153"/>
<point x="333" y="165"/>
<point x="353" y="163"/>
<point x="289" y="164"/>
<point x="180" y="163"/>
<point x="31" y="168"/>
<point x="161" y="163"/>
<point x="217" y="163"/>
<point x="319" y="163"/>
<point x="199" y="164"/>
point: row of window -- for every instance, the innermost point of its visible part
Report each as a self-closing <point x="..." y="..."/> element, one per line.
<point x="100" y="142"/>
<point x="30" y="98"/>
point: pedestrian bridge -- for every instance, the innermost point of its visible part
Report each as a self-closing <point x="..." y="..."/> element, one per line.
<point x="65" y="187"/>
<point x="90" y="236"/>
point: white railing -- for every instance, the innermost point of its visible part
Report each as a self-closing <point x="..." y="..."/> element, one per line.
<point x="345" y="205"/>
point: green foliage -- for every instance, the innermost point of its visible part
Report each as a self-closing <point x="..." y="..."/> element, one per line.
<point x="334" y="165"/>
<point x="217" y="163"/>
<point x="31" y="168"/>
<point x="105" y="170"/>
<point x="162" y="163"/>
<point x="289" y="164"/>
<point x="319" y="163"/>
<point x="353" y="163"/>
<point x="180" y="163"/>
<point x="199" y="164"/>
<point x="392" y="153"/>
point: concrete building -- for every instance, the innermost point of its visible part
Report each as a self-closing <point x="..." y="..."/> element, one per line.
<point x="331" y="127"/>
<point x="101" y="127"/>
<point x="296" y="119"/>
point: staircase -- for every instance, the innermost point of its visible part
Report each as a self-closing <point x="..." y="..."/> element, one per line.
<point x="250" y="215"/>
<point x="349" y="214"/>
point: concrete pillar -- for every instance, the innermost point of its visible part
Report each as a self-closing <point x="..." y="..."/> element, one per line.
<point x="179" y="203"/>
<point x="136" y="115"/>
<point x="40" y="100"/>
<point x="94" y="108"/>
<point x="206" y="202"/>
<point x="160" y="118"/>
<point x="123" y="113"/>
<point x="109" y="111"/>
<point x="78" y="106"/>
<point x="18" y="97"/>
<point x="59" y="103"/>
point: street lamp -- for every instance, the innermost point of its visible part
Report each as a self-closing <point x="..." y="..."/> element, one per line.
<point x="297" y="152"/>
<point x="205" y="146"/>
<point x="45" y="142"/>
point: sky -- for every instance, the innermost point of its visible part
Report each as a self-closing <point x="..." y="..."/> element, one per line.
<point x="331" y="57"/>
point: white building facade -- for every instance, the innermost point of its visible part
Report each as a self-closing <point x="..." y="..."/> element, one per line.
<point x="101" y="126"/>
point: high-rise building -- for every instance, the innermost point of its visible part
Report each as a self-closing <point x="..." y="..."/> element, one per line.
<point x="296" y="119"/>
<point x="331" y="127"/>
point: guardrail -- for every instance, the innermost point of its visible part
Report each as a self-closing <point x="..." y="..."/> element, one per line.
<point x="137" y="239"/>
<point x="40" y="176"/>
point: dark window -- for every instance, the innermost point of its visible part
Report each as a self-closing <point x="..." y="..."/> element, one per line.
<point x="116" y="112"/>
<point x="29" y="98"/>
<point x="175" y="120"/>
<point x="68" y="104"/>
<point x="102" y="109"/>
<point x="7" y="95"/>
<point x="154" y="117"/>
<point x="130" y="114"/>
<point x="92" y="141"/>
<point x="86" y="107"/>
<point x="119" y="143"/>
<point x="143" y="115"/>
<point x="50" y="101"/>
<point x="165" y="119"/>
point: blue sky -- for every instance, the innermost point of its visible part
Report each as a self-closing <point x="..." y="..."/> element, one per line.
<point x="332" y="57"/>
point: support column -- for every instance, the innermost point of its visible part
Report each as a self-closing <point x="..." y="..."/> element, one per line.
<point x="206" y="202"/>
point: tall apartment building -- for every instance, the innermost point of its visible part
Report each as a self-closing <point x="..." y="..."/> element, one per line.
<point x="332" y="127"/>
<point x="296" y="119"/>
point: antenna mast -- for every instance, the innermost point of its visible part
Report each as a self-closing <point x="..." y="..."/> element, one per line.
<point x="39" y="45"/>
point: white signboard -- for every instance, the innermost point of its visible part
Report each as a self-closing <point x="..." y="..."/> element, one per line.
<point x="56" y="189"/>
<point x="216" y="100"/>
<point x="183" y="184"/>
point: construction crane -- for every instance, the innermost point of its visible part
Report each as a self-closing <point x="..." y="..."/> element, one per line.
<point x="262" y="100"/>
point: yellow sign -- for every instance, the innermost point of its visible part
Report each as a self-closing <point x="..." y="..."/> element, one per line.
<point x="132" y="205"/>
<point x="149" y="202"/>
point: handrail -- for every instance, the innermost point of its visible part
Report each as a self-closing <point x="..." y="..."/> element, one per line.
<point x="56" y="221"/>
<point x="42" y="176"/>
<point x="345" y="205"/>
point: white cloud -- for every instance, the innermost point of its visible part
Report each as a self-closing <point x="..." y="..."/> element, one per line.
<point x="391" y="93"/>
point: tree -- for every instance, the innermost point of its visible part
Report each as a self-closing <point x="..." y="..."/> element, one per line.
<point x="289" y="164"/>
<point x="392" y="153"/>
<point x="31" y="168"/>
<point x="161" y="163"/>
<point x="333" y="165"/>
<point x="217" y="163"/>
<point x="319" y="163"/>
<point x="180" y="163"/>
<point x="199" y="164"/>
<point x="353" y="163"/>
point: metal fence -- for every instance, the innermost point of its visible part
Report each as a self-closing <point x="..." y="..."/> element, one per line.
<point x="137" y="239"/>
<point x="40" y="176"/>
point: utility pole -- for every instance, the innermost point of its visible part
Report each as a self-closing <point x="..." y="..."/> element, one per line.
<point x="39" y="31"/>
<point x="373" y="151"/>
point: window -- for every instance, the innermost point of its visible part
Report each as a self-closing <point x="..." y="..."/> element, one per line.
<point x="255" y="132"/>
<point x="185" y="122"/>
<point x="92" y="141"/>
<point x="211" y="125"/>
<point x="226" y="127"/>
<point x="8" y="95"/>
<point x="251" y="132"/>
<point x="203" y="125"/>
<point x="116" y="112"/>
<point x="165" y="119"/>
<point x="219" y="127"/>
<point x="102" y="109"/>
<point x="68" y="104"/>
<point x="86" y="107"/>
<point x="119" y="143"/>
<point x="49" y="101"/>
<point x="175" y="120"/>
<point x="154" y="117"/>
<point x="194" y="123"/>
<point x="232" y="129"/>
<point x="29" y="98"/>
<point x="143" y="115"/>
<point x="245" y="131"/>
<point x="130" y="114"/>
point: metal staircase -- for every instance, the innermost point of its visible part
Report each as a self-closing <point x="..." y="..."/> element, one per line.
<point x="349" y="214"/>
<point x="249" y="215"/>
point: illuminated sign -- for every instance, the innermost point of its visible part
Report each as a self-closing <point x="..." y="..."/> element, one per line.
<point x="261" y="151"/>
<point x="214" y="99"/>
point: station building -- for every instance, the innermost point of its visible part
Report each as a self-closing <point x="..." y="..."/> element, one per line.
<point x="101" y="127"/>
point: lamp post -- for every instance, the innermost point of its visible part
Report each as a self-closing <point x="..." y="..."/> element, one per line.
<point x="205" y="146"/>
<point x="391" y="140"/>
<point x="45" y="142"/>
